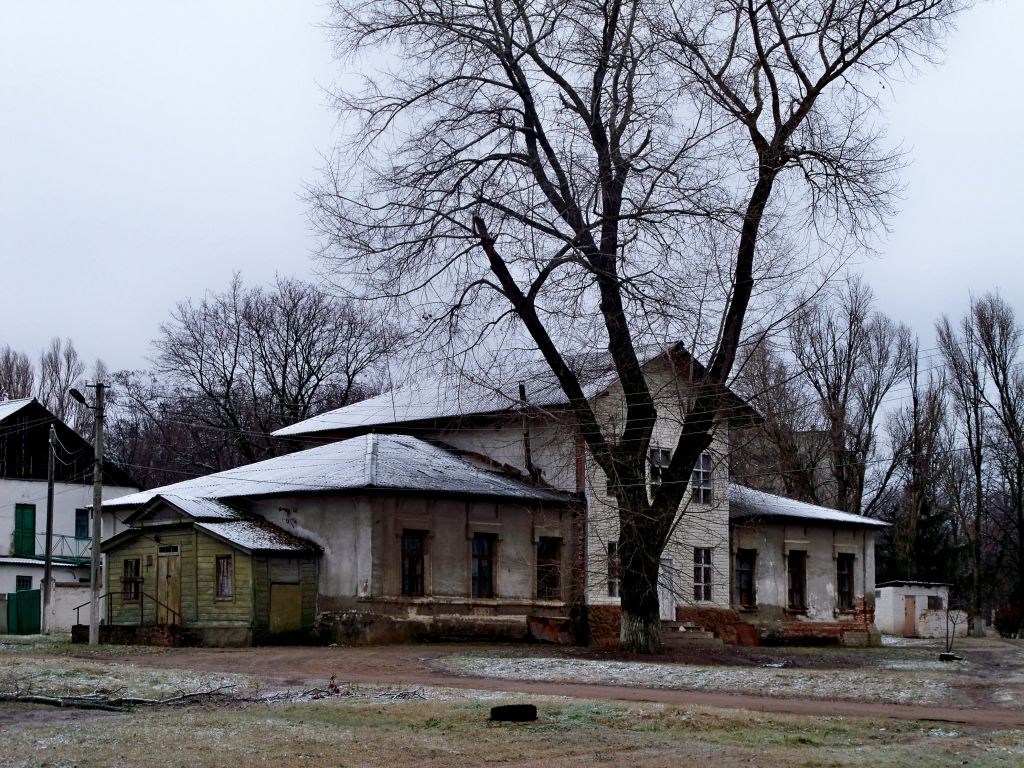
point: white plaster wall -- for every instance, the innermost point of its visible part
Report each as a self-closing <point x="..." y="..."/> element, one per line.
<point x="67" y="497"/>
<point x="890" y="606"/>
<point x="341" y="525"/>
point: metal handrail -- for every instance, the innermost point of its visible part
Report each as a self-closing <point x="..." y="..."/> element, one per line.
<point x="66" y="547"/>
<point x="142" y="612"/>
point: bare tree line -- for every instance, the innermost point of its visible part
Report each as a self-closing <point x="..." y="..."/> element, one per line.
<point x="228" y="369"/>
<point x="944" y="467"/>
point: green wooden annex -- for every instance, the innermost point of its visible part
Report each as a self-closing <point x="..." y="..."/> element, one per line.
<point x="208" y="571"/>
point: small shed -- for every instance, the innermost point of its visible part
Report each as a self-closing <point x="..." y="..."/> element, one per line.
<point x="207" y="569"/>
<point x="917" y="609"/>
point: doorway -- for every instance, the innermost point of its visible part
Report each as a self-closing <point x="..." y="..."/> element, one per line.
<point x="168" y="585"/>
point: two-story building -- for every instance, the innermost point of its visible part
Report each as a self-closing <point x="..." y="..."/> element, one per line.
<point x="24" y="455"/>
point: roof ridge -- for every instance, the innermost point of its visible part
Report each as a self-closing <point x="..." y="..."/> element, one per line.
<point x="371" y="459"/>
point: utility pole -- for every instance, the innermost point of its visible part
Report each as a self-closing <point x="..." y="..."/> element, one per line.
<point x="97" y="508"/>
<point x="48" y="566"/>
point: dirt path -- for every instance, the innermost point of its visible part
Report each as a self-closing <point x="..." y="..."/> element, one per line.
<point x="411" y="665"/>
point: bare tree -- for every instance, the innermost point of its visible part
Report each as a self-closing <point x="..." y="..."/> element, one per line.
<point x="17" y="376"/>
<point x="852" y="357"/>
<point x="967" y="381"/>
<point x="60" y="369"/>
<point x="542" y="165"/>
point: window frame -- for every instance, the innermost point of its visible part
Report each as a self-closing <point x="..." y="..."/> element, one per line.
<point x="658" y="459"/>
<point x="702" y="480"/>
<point x="483" y="566"/>
<point x="614" y="569"/>
<point x="746" y="569"/>
<point x="219" y="593"/>
<point x="549" y="569"/>
<point x="83" y="513"/>
<point x="413" y="563"/>
<point x="131" y="580"/>
<point x="845" y="581"/>
<point x="799" y="588"/>
<point x="22" y="583"/>
<point x="703" y="574"/>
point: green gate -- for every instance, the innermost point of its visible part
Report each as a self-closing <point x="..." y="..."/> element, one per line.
<point x="24" y="609"/>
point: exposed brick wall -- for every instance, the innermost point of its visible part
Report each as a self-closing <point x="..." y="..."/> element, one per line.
<point x="603" y="624"/>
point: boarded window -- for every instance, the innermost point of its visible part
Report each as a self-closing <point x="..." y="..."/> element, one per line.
<point x="702" y="573"/>
<point x="413" y="547"/>
<point x="614" y="569"/>
<point x="82" y="523"/>
<point x="484" y="547"/>
<point x="549" y="568"/>
<point x="131" y="580"/>
<point x="700" y="481"/>
<point x="935" y="603"/>
<point x="746" y="591"/>
<point x="844" y="581"/>
<point x="225" y="577"/>
<point x="796" y="580"/>
<point x="22" y="583"/>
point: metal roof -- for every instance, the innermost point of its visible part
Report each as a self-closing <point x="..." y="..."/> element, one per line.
<point x="387" y="462"/>
<point x="494" y="391"/>
<point x="746" y="503"/>
<point x="10" y="407"/>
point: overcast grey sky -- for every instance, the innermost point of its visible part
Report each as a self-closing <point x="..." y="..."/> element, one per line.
<point x="151" y="149"/>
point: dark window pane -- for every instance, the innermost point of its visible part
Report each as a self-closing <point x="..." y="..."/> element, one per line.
<point x="844" y="581"/>
<point x="413" y="544"/>
<point x="82" y="524"/>
<point x="549" y="568"/>
<point x="745" y="589"/>
<point x="796" y="576"/>
<point x="483" y="564"/>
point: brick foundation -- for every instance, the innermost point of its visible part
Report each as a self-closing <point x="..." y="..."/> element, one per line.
<point x="359" y="628"/>
<point x="603" y="624"/>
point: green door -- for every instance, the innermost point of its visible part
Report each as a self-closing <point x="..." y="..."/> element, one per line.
<point x="24" y="530"/>
<point x="24" y="611"/>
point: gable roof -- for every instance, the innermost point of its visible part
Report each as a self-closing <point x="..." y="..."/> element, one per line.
<point x="367" y="462"/>
<point x="11" y="407"/>
<point x="24" y="447"/>
<point x="248" y="533"/>
<point x="464" y="394"/>
<point x="747" y="504"/>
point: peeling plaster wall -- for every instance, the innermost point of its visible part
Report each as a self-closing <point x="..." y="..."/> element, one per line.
<point x="773" y="543"/>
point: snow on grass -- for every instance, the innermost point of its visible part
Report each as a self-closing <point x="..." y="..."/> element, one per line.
<point x="860" y="684"/>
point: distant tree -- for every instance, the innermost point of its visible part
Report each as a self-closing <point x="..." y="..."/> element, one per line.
<point x="602" y="175"/>
<point x="17" y="376"/>
<point x="234" y="366"/>
<point x="60" y="369"/>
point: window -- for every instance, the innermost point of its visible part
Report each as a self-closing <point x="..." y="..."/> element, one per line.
<point x="24" y="530"/>
<point x="660" y="459"/>
<point x="746" y="592"/>
<point x="702" y="573"/>
<point x="413" y="546"/>
<point x="549" y="568"/>
<point x="614" y="569"/>
<point x="225" y="577"/>
<point x="796" y="580"/>
<point x="82" y="520"/>
<point x="935" y="603"/>
<point x="484" y="545"/>
<point x="22" y="583"/>
<point x="844" y="581"/>
<point x="131" y="581"/>
<point x="700" y="481"/>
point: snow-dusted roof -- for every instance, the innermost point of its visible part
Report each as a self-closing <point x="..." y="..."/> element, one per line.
<point x="11" y="407"/>
<point x="442" y="397"/>
<point x="40" y="562"/>
<point x="201" y="509"/>
<point x="495" y="391"/>
<point x="390" y="462"/>
<point x="257" y="536"/>
<point x="747" y="503"/>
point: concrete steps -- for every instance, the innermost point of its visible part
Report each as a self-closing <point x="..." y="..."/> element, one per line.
<point x="678" y="634"/>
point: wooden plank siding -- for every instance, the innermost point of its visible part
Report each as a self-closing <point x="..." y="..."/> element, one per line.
<point x="198" y="573"/>
<point x="262" y="578"/>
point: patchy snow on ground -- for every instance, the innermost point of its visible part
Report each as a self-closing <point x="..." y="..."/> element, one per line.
<point x="859" y="684"/>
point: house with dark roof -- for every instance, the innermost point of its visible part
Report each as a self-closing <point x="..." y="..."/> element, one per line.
<point x="24" y="447"/>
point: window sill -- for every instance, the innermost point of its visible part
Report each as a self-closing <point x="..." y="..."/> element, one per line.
<point x="796" y="611"/>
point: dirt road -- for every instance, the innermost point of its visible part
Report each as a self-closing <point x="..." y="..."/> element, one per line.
<point x="412" y="666"/>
